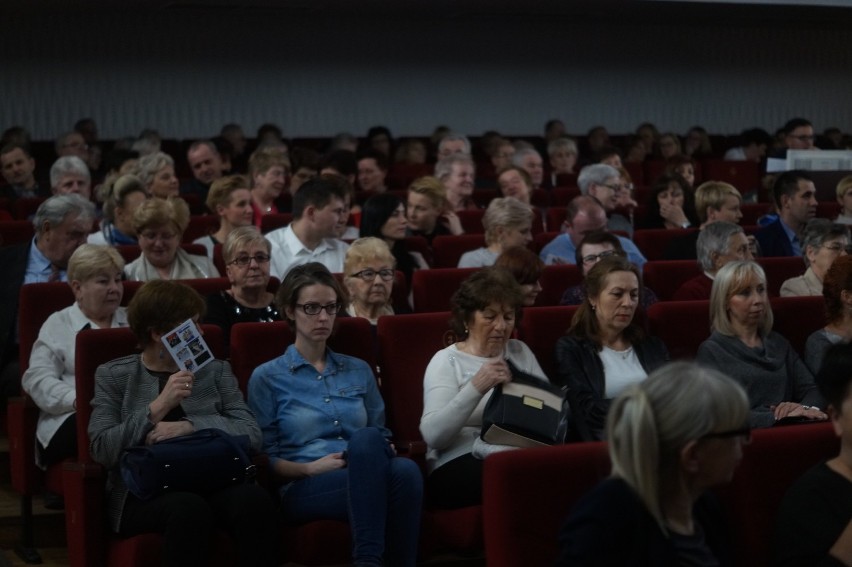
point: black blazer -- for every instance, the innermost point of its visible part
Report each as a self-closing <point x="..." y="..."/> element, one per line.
<point x="773" y="240"/>
<point x="13" y="260"/>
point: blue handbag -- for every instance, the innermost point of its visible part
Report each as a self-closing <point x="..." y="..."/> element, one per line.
<point x="203" y="462"/>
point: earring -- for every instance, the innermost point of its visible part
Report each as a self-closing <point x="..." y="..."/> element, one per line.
<point x="594" y="307"/>
<point x="466" y="331"/>
<point x="162" y="353"/>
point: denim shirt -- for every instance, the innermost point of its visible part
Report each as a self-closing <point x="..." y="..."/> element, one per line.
<point x="305" y="415"/>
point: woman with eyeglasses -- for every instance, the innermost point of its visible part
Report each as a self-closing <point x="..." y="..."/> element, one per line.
<point x="246" y="254"/>
<point x="671" y="438"/>
<point x="594" y="247"/>
<point x="605" y="350"/>
<point x="743" y="345"/>
<point x="160" y="224"/>
<point x="369" y="273"/>
<point x="822" y="243"/>
<point x="323" y="424"/>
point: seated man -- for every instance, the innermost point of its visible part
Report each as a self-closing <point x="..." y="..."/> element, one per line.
<point x="718" y="243"/>
<point x="372" y="170"/>
<point x="798" y="135"/>
<point x="603" y="182"/>
<point x="317" y="209"/>
<point x="206" y="166"/>
<point x="457" y="173"/>
<point x="69" y="175"/>
<point x="584" y="215"/>
<point x="530" y="161"/>
<point x="753" y="145"/>
<point x="794" y="195"/>
<point x="18" y="168"/>
<point x="453" y="143"/>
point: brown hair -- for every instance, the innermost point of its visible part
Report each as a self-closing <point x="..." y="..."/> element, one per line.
<point x="312" y="273"/>
<point x="481" y="289"/>
<point x="836" y="280"/>
<point x="161" y="305"/>
<point x="522" y="263"/>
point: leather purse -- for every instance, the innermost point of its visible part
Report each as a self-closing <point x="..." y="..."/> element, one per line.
<point x="526" y="412"/>
<point x="203" y="462"/>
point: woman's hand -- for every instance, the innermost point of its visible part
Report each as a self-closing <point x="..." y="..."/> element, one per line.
<point x="453" y="223"/>
<point x="673" y="214"/>
<point x="330" y="462"/>
<point x="491" y="374"/>
<point x="177" y="388"/>
<point x="792" y="409"/>
<point x="167" y="430"/>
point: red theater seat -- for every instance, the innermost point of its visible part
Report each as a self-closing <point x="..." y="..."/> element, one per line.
<point x="15" y="232"/>
<point x="447" y="250"/>
<point x="200" y="225"/>
<point x="682" y="326"/>
<point x="744" y="175"/>
<point x="433" y="289"/>
<point x="666" y="276"/>
<point x="540" y="328"/>
<point x="654" y="241"/>
<point x="555" y="280"/>
<point x="797" y="317"/>
<point x="779" y="269"/>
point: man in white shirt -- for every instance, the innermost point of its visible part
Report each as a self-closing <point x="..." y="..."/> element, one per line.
<point x="317" y="208"/>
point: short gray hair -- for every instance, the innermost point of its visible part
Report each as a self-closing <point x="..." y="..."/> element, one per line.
<point x="54" y="210"/>
<point x="444" y="167"/>
<point x="240" y="239"/>
<point x="148" y="166"/>
<point x="65" y="165"/>
<point x="521" y="153"/>
<point x="562" y="143"/>
<point x="596" y="173"/>
<point x="819" y="231"/>
<point x="452" y="137"/>
<point x="714" y="238"/>
<point x="505" y="212"/>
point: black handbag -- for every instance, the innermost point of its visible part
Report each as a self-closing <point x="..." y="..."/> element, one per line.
<point x="526" y="412"/>
<point x="203" y="462"/>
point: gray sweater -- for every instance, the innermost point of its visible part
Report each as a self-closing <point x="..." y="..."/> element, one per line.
<point x="769" y="375"/>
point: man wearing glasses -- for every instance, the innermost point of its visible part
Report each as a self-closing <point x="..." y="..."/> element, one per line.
<point x="603" y="182"/>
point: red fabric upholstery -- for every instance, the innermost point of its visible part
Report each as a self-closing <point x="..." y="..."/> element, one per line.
<point x="540" y="328"/>
<point x="26" y="207"/>
<point x="555" y="280"/>
<point x="132" y="251"/>
<point x="555" y="218"/>
<point x="682" y="326"/>
<point x="561" y="196"/>
<point x="744" y="175"/>
<point x="400" y="175"/>
<point x="484" y="196"/>
<point x="528" y="493"/>
<point x="15" y="231"/>
<point x="666" y="276"/>
<point x="448" y="250"/>
<point x="200" y="225"/>
<point x="269" y="223"/>
<point x="797" y="317"/>
<point x="433" y="289"/>
<point x="654" y="241"/>
<point x="420" y="244"/>
<point x="471" y="221"/>
<point x="752" y="212"/>
<point x="779" y="269"/>
<point x="543" y="239"/>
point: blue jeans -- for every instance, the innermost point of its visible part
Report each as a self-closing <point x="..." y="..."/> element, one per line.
<point x="381" y="496"/>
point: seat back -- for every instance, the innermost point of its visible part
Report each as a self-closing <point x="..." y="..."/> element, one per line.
<point x="471" y="221"/>
<point x="407" y="343"/>
<point x="744" y="175"/>
<point x="200" y="225"/>
<point x="268" y="223"/>
<point x="37" y="302"/>
<point x="555" y="280"/>
<point x="540" y="328"/>
<point x="797" y="317"/>
<point x="682" y="326"/>
<point x="654" y="241"/>
<point x="433" y="289"/>
<point x="15" y="231"/>
<point x="447" y="250"/>
<point x="779" y="269"/>
<point x="666" y="276"/>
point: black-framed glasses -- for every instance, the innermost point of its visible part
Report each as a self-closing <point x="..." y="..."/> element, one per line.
<point x="369" y="274"/>
<point x="315" y="308"/>
<point x="744" y="433"/>
<point x="594" y="258"/>
<point x="838" y="247"/>
<point x="245" y="260"/>
<point x="615" y="188"/>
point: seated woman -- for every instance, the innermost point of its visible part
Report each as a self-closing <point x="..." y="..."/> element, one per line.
<point x="526" y="267"/>
<point x="460" y="378"/>
<point x="229" y="199"/>
<point x="670" y="204"/>
<point x="668" y="145"/>
<point x="837" y="293"/>
<point x="822" y="243"/>
<point x="697" y="144"/>
<point x="268" y="167"/>
<point x="95" y="275"/>
<point x="594" y="247"/>
<point x="323" y="423"/>
<point x="605" y="350"/>
<point x="369" y="274"/>
<point x="144" y="399"/>
<point x="714" y="201"/>
<point x="682" y="165"/>
<point x="813" y="524"/>
<point x="718" y="243"/>
<point x="507" y="222"/>
<point x="671" y="438"/>
<point x="429" y="214"/>
<point x="744" y="346"/>
<point x="514" y="181"/>
<point x="157" y="172"/>
<point x="122" y="198"/>
<point x="160" y="224"/>
<point x="383" y="216"/>
<point x="246" y="254"/>
<point x="844" y="197"/>
<point x="562" y="157"/>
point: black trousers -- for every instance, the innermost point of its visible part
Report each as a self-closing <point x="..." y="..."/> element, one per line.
<point x="456" y="484"/>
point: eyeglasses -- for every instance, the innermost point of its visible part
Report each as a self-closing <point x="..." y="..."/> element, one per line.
<point x="744" y="433"/>
<point x="615" y="188"/>
<point x="152" y="236"/>
<point x="594" y="258"/>
<point x="315" y="308"/>
<point x="243" y="261"/>
<point x="369" y="274"/>
<point x="837" y="247"/>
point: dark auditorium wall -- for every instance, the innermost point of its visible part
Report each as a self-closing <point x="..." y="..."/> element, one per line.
<point x="186" y="71"/>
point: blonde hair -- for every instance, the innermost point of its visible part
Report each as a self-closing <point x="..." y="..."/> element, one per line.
<point x="505" y="212"/>
<point x="431" y="188"/>
<point x="732" y="278"/>
<point x="221" y="189"/>
<point x="90" y="260"/>
<point x="159" y="212"/>
<point x="240" y="239"/>
<point x="264" y="159"/>
<point x="843" y="186"/>
<point x="651" y="421"/>
<point x="148" y="166"/>
<point x="117" y="189"/>
<point x="713" y="194"/>
<point x="366" y="249"/>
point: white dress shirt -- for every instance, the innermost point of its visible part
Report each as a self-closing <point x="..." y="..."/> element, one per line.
<point x="288" y="251"/>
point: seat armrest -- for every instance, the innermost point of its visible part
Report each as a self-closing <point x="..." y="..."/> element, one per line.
<point x="22" y="418"/>
<point x="85" y="524"/>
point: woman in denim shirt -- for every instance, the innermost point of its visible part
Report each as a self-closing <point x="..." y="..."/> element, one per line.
<point x="323" y="424"/>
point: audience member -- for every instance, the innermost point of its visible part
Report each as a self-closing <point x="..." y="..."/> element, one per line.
<point x="515" y="182"/>
<point x="159" y="225"/>
<point x="157" y="172"/>
<point x="69" y="174"/>
<point x="18" y="167"/>
<point x="453" y="143"/>
<point x="823" y="242"/>
<point x="72" y="144"/>
<point x="648" y="134"/>
<point x="553" y="130"/>
<point x="682" y="165"/>
<point x="123" y="197"/>
<point x="697" y="143"/>
<point x="584" y="215"/>
<point x="341" y="162"/>
<point x="502" y="156"/>
<point x="507" y="222"/>
<point x="603" y="182"/>
<point x="837" y="294"/>
<point x="718" y="243"/>
<point x="670" y="204"/>
<point x="460" y="379"/>
<point x="372" y="171"/>
<point x="844" y="197"/>
<point x="744" y="346"/>
<point x="753" y="145"/>
<point x="206" y="165"/>
<point x="608" y="155"/>
<point x="268" y="174"/>
<point x="457" y="173"/>
<point x="429" y="213"/>
<point x="671" y="438"/>
<point x="339" y="468"/>
<point x="229" y="199"/>
<point x="714" y="201"/>
<point x="562" y="154"/>
<point x="597" y="139"/>
<point x="383" y="217"/>
<point x="369" y="276"/>
<point x="526" y="267"/>
<point x="530" y="161"/>
<point x="411" y="152"/>
<point x="317" y="209"/>
<point x="305" y="165"/>
<point x="798" y="135"/>
<point x="669" y="145"/>
<point x="795" y="199"/>
<point x="605" y="350"/>
<point x="380" y="139"/>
